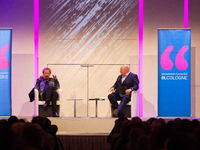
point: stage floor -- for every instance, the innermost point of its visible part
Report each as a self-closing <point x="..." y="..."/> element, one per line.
<point x="82" y="125"/>
<point x="87" y="125"/>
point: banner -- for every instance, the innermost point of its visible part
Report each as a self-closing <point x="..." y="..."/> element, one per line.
<point x="5" y="71"/>
<point x="174" y="77"/>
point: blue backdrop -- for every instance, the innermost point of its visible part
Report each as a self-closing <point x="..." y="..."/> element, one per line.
<point x="174" y="77"/>
<point x="5" y="71"/>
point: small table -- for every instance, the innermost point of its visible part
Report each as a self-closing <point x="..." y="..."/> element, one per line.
<point x="74" y="104"/>
<point x="97" y="99"/>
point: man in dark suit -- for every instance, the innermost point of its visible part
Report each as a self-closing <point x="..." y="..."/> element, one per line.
<point x="121" y="90"/>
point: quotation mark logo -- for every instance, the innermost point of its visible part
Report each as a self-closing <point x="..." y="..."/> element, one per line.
<point x="180" y="61"/>
<point x="4" y="63"/>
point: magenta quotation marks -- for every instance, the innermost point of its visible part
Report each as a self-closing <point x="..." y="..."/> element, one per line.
<point x="166" y="63"/>
<point x="4" y="63"/>
<point x="180" y="61"/>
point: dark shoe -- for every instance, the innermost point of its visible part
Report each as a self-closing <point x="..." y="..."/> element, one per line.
<point x="55" y="114"/>
<point x="115" y="116"/>
<point x="115" y="113"/>
<point x="45" y="107"/>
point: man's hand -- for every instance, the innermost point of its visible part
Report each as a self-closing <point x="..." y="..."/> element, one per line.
<point x="128" y="91"/>
<point x="54" y="76"/>
<point x="41" y="77"/>
<point x="111" y="90"/>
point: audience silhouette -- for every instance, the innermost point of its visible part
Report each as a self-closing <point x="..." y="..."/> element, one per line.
<point x="39" y="134"/>
<point x="155" y="134"/>
<point x="127" y="134"/>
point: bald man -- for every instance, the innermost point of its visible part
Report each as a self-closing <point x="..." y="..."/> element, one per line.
<point x="121" y="90"/>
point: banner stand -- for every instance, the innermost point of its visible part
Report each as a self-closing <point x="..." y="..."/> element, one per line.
<point x="5" y="71"/>
<point x="174" y="72"/>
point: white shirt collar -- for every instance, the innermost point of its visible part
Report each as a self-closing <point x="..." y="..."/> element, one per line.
<point x="126" y="75"/>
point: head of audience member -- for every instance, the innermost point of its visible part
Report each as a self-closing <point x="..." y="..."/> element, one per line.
<point x="125" y="129"/>
<point x="22" y="120"/>
<point x="169" y="125"/>
<point x="161" y="121"/>
<point x="187" y="125"/>
<point x="17" y="128"/>
<point x="47" y="124"/>
<point x="124" y="70"/>
<point x="177" y="125"/>
<point x="6" y="137"/>
<point x="136" y="122"/>
<point x="194" y="124"/>
<point x="142" y="143"/>
<point x="4" y="122"/>
<point x="39" y="120"/>
<point x="118" y="123"/>
<point x="134" y="135"/>
<point x="158" y="136"/>
<point x="12" y="119"/>
<point x="151" y="120"/>
<point x="33" y="136"/>
<point x="155" y="125"/>
<point x="46" y="73"/>
<point x="54" y="129"/>
<point x="146" y="127"/>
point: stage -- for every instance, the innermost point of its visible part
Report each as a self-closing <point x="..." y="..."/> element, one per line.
<point x="88" y="125"/>
<point x="81" y="125"/>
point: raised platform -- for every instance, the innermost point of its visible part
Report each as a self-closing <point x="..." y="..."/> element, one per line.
<point x="86" y="125"/>
<point x="82" y="126"/>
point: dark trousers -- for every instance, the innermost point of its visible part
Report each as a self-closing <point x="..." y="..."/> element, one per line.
<point x="113" y="97"/>
<point x="51" y="95"/>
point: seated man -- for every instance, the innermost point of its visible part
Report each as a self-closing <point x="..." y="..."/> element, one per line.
<point x="121" y="90"/>
<point x="47" y="87"/>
